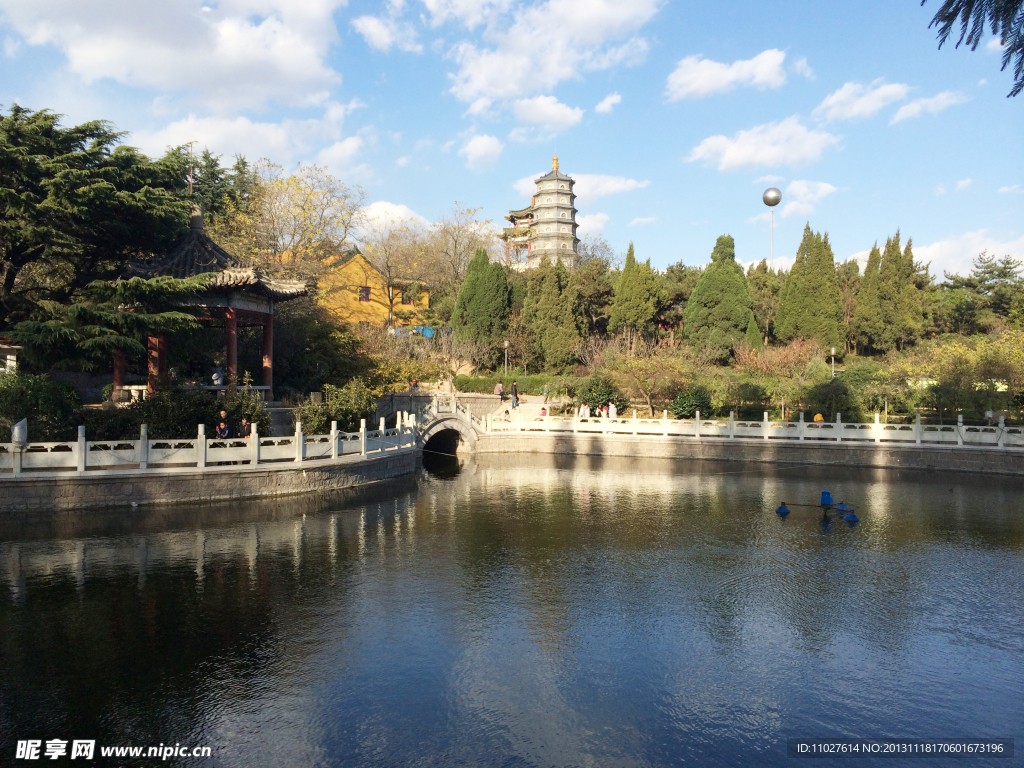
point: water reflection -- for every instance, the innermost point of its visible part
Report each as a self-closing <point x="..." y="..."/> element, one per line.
<point x="536" y="610"/>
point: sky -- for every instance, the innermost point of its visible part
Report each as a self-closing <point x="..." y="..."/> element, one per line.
<point x="673" y="117"/>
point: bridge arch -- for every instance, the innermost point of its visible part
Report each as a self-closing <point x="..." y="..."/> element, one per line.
<point x="447" y="434"/>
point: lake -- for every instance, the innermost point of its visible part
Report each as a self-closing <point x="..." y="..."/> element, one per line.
<point x="525" y="611"/>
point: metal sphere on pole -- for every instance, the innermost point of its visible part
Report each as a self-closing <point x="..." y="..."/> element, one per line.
<point x="771" y="198"/>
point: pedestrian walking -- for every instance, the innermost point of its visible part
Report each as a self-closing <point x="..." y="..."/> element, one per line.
<point x="515" y="395"/>
<point x="499" y="390"/>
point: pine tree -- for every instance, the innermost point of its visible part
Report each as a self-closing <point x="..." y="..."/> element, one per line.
<point x="753" y="335"/>
<point x="553" y="311"/>
<point x="899" y="304"/>
<point x="810" y="307"/>
<point x="766" y="286"/>
<point x="719" y="310"/>
<point x="482" y="306"/>
<point x="866" y="326"/>
<point x="638" y="295"/>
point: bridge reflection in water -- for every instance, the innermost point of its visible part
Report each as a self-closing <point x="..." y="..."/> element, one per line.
<point x="532" y="609"/>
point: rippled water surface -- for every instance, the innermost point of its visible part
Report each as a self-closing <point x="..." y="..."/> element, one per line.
<point x="528" y="611"/>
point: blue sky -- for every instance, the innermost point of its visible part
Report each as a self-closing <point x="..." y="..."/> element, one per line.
<point x="673" y="116"/>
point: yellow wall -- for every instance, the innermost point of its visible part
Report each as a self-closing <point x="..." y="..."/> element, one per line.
<point x="341" y="284"/>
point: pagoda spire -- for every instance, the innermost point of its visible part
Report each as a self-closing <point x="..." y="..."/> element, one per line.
<point x="554" y="163"/>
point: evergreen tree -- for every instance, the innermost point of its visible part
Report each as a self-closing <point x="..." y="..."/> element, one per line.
<point x="638" y="296"/>
<point x="679" y="281"/>
<point x="848" y="276"/>
<point x="482" y="306"/>
<point x="753" y="334"/>
<point x="897" y="297"/>
<point x="765" y="286"/>
<point x="810" y="307"/>
<point x="866" y="326"/>
<point x="993" y="282"/>
<point x="553" y="311"/>
<point x="719" y="310"/>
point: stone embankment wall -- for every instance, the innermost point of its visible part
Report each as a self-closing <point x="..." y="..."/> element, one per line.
<point x="121" y="488"/>
<point x="942" y="458"/>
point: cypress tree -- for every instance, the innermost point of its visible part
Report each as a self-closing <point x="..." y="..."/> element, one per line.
<point x="867" y="319"/>
<point x="638" y="295"/>
<point x="811" y="307"/>
<point x="553" y="310"/>
<point x="718" y="313"/>
<point x="898" y="299"/>
<point x="753" y="335"/>
<point x="482" y="306"/>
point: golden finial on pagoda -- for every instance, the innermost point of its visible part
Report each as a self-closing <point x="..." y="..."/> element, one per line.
<point x="554" y="163"/>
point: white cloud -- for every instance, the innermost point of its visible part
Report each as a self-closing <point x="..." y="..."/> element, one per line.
<point x="642" y="221"/>
<point x="769" y="179"/>
<point x="402" y="162"/>
<point x="854" y="100"/>
<point x="781" y="143"/>
<point x="963" y="184"/>
<point x="805" y="194"/>
<point x="995" y="45"/>
<point x="237" y="54"/>
<point x="11" y="47"/>
<point x="591" y="224"/>
<point x="956" y="253"/>
<point x="481" y="151"/>
<point x="801" y="67"/>
<point x="470" y="13"/>
<point x="385" y="33"/>
<point x="285" y="142"/>
<point x="608" y="102"/>
<point x="1014" y="190"/>
<point x="588" y="186"/>
<point x="696" y="77"/>
<point x="931" y="105"/>
<point x="546" y="44"/>
<point x="548" y="112"/>
<point x="339" y="156"/>
<point x="940" y="189"/>
<point x="383" y="211"/>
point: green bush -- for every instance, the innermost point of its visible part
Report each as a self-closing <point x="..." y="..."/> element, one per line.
<point x="690" y="400"/>
<point x="347" y="405"/>
<point x="833" y="397"/>
<point x="53" y="409"/>
<point x="597" y="391"/>
<point x="528" y="385"/>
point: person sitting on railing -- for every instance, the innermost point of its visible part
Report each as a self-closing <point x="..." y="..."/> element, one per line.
<point x="819" y="419"/>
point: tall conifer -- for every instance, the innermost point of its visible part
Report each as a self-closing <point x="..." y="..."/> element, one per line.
<point x="638" y="294"/>
<point x="719" y="310"/>
<point x="482" y="306"/>
<point x="811" y="307"/>
<point x="867" y="319"/>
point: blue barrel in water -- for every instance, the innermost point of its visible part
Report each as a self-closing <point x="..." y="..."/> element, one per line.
<point x="782" y="510"/>
<point x="826" y="497"/>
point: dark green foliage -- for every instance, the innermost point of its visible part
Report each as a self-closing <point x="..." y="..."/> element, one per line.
<point x="866" y="325"/>
<point x="482" y="307"/>
<point x="810" y="306"/>
<point x="592" y="280"/>
<point x="848" y="277"/>
<point x="74" y="207"/>
<point x="347" y="405"/>
<point x="690" y="400"/>
<point x="553" y="311"/>
<point x="1004" y="17"/>
<point x="528" y="385"/>
<point x="679" y="281"/>
<point x="597" y="391"/>
<point x="765" y="286"/>
<point x="719" y="309"/>
<point x="832" y="397"/>
<point x="992" y="286"/>
<point x="897" y="296"/>
<point x="753" y="334"/>
<point x="638" y="296"/>
<point x="52" y="408"/>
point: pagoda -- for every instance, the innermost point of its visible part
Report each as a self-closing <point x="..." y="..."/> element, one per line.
<point x="547" y="227"/>
<point x="236" y="295"/>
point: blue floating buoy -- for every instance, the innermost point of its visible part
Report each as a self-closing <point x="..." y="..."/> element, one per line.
<point x="782" y="510"/>
<point x="826" y="497"/>
<point x="851" y="518"/>
<point x="841" y="507"/>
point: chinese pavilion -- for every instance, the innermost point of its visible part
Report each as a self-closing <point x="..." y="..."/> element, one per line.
<point x="547" y="227"/>
<point x="237" y="295"/>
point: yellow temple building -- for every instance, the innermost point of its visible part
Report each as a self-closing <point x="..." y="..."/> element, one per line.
<point x="355" y="291"/>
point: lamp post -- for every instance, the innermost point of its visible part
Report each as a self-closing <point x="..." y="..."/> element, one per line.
<point x="771" y="198"/>
<point x="833" y="362"/>
<point x="506" y="358"/>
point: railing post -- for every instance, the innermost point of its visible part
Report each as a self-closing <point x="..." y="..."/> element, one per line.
<point x="876" y="430"/>
<point x="80" y="449"/>
<point x="839" y="427"/>
<point x="143" y="446"/>
<point x="917" y="429"/>
<point x="362" y="437"/>
<point x="696" y="424"/>
<point x="334" y="439"/>
<point x="959" y="429"/>
<point x="300" y="442"/>
<point x="766" y="425"/>
<point x="1002" y="432"/>
<point x="732" y="423"/>
<point x="254" y="448"/>
<point x="201" y="447"/>
<point x="383" y="437"/>
<point x="19" y="439"/>
<point x="800" y="426"/>
<point x="664" y="422"/>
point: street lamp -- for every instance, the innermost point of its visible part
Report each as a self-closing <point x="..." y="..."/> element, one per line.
<point x="771" y="198"/>
<point x="833" y="362"/>
<point x="506" y="359"/>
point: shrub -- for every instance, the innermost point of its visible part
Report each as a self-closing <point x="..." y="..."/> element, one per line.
<point x="528" y="385"/>
<point x="347" y="405"/>
<point x="690" y="400"/>
<point x="597" y="391"/>
<point x="833" y="397"/>
<point x="53" y="409"/>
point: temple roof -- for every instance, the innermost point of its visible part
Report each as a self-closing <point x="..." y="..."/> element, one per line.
<point x="555" y="175"/>
<point x="196" y="254"/>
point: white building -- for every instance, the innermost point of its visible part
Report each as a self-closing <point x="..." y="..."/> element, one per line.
<point x="547" y="227"/>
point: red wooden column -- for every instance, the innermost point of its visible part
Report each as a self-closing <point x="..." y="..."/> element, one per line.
<point x="152" y="363"/>
<point x="118" y="374"/>
<point x="268" y="356"/>
<point x="231" y="325"/>
<point x="161" y="351"/>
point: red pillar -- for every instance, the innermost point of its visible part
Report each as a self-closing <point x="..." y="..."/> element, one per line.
<point x="268" y="356"/>
<point x="231" y="325"/>
<point x="118" y="374"/>
<point x="161" y="349"/>
<point x="152" y="362"/>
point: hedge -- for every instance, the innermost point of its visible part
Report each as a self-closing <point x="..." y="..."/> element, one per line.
<point x="528" y="385"/>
